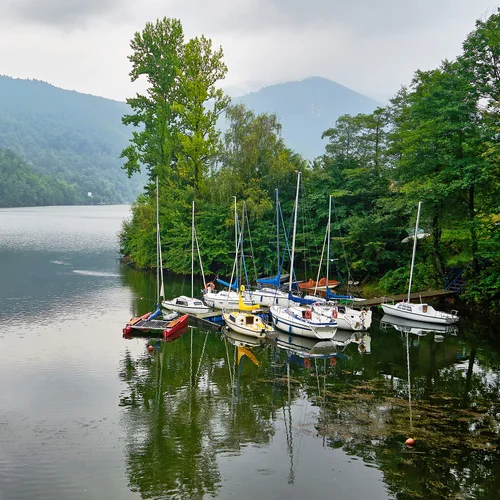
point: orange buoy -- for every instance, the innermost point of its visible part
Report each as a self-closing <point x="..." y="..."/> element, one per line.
<point x="410" y="442"/>
<point x="150" y="348"/>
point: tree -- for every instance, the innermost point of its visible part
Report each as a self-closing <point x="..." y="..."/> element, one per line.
<point x="200" y="69"/>
<point x="179" y="113"/>
<point x="156" y="55"/>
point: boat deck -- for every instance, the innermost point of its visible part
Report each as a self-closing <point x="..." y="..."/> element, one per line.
<point x="376" y="301"/>
<point x="154" y="325"/>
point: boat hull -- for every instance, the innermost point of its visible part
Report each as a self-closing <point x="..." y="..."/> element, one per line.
<point x="263" y="332"/>
<point x="267" y="298"/>
<point x="290" y="323"/>
<point x="442" y="319"/>
<point x="175" y="326"/>
<point x="228" y="301"/>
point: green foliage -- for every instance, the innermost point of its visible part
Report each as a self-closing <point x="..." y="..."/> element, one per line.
<point x="22" y="186"/>
<point x="178" y="139"/>
<point x="396" y="281"/>
<point x="435" y="143"/>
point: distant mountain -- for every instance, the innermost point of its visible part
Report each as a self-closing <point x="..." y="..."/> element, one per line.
<point x="306" y="109"/>
<point x="71" y="137"/>
<point x="73" y="141"/>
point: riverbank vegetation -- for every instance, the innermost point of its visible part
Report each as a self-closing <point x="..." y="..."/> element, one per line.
<point x="438" y="141"/>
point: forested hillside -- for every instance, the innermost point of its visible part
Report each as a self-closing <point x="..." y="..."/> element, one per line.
<point x="21" y="186"/>
<point x="306" y="109"/>
<point x="436" y="142"/>
<point x="70" y="137"/>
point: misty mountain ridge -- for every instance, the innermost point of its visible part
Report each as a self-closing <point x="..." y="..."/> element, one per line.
<point x="78" y="138"/>
<point x="307" y="108"/>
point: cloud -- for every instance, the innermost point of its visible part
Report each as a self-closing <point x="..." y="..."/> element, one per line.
<point x="60" y="13"/>
<point x="366" y="17"/>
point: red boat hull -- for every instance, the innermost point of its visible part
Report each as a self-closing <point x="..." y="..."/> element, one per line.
<point x="175" y="325"/>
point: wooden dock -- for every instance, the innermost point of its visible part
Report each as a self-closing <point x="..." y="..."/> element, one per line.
<point x="376" y="301"/>
<point x="211" y="320"/>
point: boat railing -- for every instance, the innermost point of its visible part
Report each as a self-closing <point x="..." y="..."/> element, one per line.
<point x="388" y="300"/>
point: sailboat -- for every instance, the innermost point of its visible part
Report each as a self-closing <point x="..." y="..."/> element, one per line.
<point x="418" y="312"/>
<point x="155" y="321"/>
<point x="191" y="304"/>
<point x="227" y="299"/>
<point x="298" y="319"/>
<point x="347" y="317"/>
<point x="243" y="321"/>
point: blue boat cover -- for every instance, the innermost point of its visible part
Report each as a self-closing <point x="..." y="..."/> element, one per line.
<point x="155" y="314"/>
<point x="234" y="286"/>
<point x="300" y="300"/>
<point x="274" y="281"/>
<point x="332" y="296"/>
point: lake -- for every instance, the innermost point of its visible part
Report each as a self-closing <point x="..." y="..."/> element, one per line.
<point x="88" y="414"/>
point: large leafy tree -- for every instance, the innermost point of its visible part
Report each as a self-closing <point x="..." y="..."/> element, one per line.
<point x="200" y="69"/>
<point x="176" y="136"/>
<point x="156" y="56"/>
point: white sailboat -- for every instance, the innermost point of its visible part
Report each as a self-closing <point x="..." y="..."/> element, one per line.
<point x="347" y="317"/>
<point x="419" y="312"/>
<point x="184" y="304"/>
<point x="300" y="320"/>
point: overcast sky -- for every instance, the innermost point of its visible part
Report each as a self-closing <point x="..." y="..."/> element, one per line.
<point x="371" y="46"/>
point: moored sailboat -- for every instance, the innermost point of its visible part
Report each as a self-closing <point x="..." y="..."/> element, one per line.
<point x="301" y="319"/>
<point x="245" y="322"/>
<point x="420" y="311"/>
<point x="190" y="305"/>
<point x="155" y="321"/>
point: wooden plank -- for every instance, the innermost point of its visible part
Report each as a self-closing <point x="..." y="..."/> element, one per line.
<point x="376" y="301"/>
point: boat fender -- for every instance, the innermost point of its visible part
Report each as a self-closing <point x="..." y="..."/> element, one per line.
<point x="210" y="286"/>
<point x="307" y="314"/>
<point x="335" y="313"/>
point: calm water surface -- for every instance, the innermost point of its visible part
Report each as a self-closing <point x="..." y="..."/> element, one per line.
<point x="87" y="414"/>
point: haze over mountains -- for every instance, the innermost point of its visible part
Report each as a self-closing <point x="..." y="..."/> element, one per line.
<point x="306" y="109"/>
<point x="77" y="138"/>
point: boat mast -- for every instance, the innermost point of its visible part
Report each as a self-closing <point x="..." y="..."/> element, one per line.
<point x="192" y="253"/>
<point x="235" y="241"/>
<point x="277" y="231"/>
<point x="157" y="246"/>
<point x="328" y="243"/>
<point x="414" y="250"/>
<point x="294" y="231"/>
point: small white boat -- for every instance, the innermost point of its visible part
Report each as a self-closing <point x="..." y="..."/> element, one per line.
<point x="420" y="312"/>
<point x="247" y="324"/>
<point x="185" y="304"/>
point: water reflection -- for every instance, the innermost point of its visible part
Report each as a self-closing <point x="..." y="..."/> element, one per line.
<point x="208" y="396"/>
<point x="416" y="327"/>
